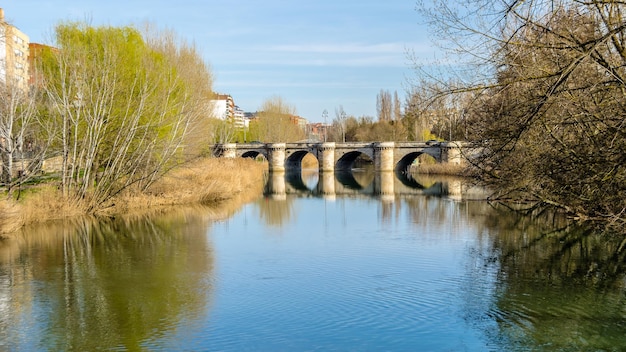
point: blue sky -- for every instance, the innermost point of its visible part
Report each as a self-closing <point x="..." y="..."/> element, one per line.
<point x="315" y="54"/>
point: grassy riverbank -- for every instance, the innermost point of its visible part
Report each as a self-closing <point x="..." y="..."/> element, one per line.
<point x="219" y="183"/>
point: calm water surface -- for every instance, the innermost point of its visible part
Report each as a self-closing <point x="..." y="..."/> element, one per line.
<point x="342" y="264"/>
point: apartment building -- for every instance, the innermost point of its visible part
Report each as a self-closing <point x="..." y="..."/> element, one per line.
<point x="223" y="106"/>
<point x="299" y="121"/>
<point x="239" y="118"/>
<point x="13" y="54"/>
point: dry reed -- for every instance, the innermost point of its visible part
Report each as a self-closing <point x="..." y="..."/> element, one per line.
<point x="220" y="183"/>
<point x="47" y="203"/>
<point x="205" y="182"/>
<point x="10" y="217"/>
<point x="41" y="204"/>
<point x="441" y="169"/>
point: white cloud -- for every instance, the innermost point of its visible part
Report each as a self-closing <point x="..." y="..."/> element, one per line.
<point x="338" y="48"/>
<point x="272" y="83"/>
<point x="392" y="54"/>
<point x="354" y="61"/>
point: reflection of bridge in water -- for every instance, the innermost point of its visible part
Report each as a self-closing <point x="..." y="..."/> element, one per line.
<point x="384" y="184"/>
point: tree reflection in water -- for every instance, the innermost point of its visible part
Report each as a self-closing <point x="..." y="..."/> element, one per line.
<point x="578" y="272"/>
<point x="526" y="283"/>
<point x="556" y="285"/>
<point x="275" y="212"/>
<point x="111" y="284"/>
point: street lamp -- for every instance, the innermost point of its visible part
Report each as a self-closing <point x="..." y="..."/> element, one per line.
<point x="325" y="116"/>
<point x="343" y="125"/>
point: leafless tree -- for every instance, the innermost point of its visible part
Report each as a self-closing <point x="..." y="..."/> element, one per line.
<point x="341" y="118"/>
<point x="384" y="105"/>
<point x="277" y="121"/>
<point x="397" y="107"/>
<point x="20" y="149"/>
<point x="546" y="80"/>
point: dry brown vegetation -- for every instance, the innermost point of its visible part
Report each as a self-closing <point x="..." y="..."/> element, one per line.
<point x="205" y="182"/>
<point x="441" y="169"/>
<point x="427" y="165"/>
<point x="219" y="185"/>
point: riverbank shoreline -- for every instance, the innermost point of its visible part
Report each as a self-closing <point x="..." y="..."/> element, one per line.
<point x="207" y="182"/>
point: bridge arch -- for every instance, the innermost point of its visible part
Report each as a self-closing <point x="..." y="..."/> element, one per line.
<point x="348" y="160"/>
<point x="253" y="154"/>
<point x="413" y="158"/>
<point x="295" y="158"/>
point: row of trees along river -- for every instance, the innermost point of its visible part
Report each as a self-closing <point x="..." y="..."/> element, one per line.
<point x="539" y="85"/>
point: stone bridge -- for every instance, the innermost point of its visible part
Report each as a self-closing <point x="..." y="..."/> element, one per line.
<point x="386" y="156"/>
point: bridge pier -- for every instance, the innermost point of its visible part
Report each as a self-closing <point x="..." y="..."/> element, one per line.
<point x="383" y="156"/>
<point x="326" y="157"/>
<point x="452" y="153"/>
<point x="276" y="156"/>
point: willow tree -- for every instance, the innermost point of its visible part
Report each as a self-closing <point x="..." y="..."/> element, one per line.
<point x="548" y="105"/>
<point x="126" y="104"/>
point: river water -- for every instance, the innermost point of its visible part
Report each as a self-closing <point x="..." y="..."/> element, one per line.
<point x="318" y="263"/>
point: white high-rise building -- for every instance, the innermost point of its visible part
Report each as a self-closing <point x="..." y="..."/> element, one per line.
<point x="223" y="107"/>
<point x="13" y="54"/>
<point x="239" y="118"/>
